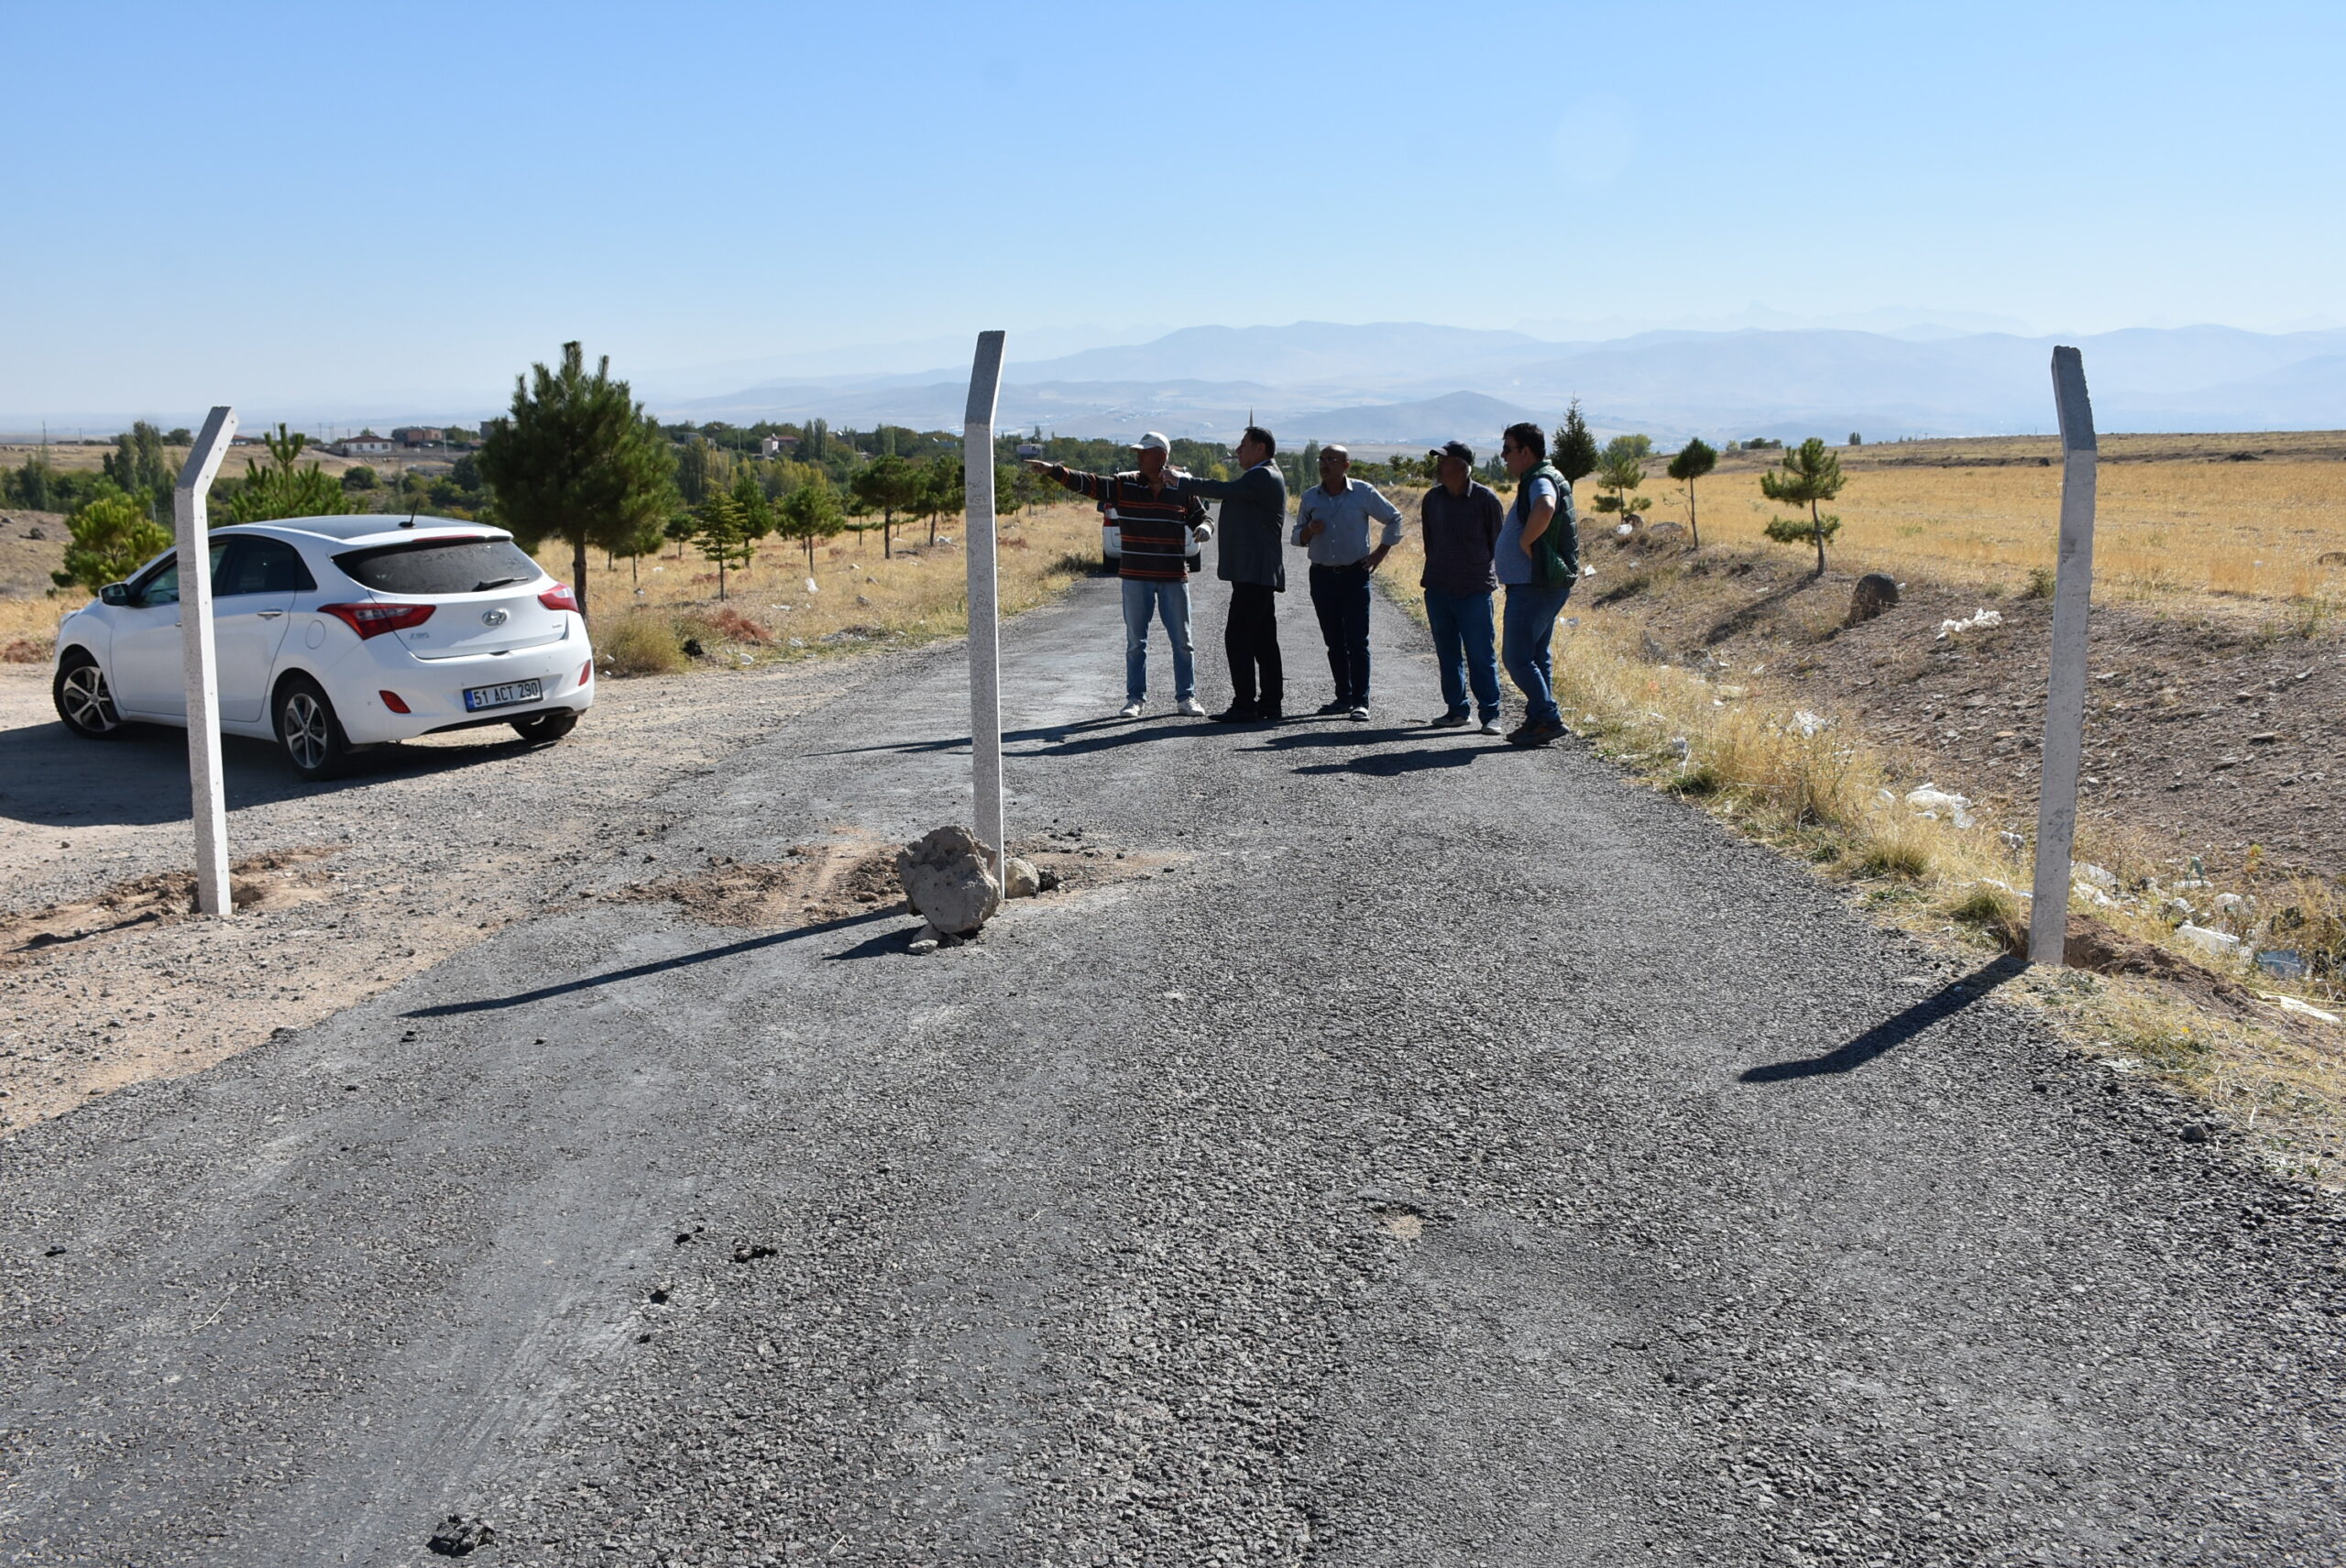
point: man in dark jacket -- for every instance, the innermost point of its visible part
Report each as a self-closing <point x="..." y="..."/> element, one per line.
<point x="1252" y="562"/>
<point x="1462" y="520"/>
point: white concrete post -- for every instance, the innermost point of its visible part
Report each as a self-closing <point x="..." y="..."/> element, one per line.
<point x="208" y="803"/>
<point x="985" y="610"/>
<point x="2064" y="697"/>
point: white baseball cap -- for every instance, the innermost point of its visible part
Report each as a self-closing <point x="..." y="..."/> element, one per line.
<point x="1152" y="441"/>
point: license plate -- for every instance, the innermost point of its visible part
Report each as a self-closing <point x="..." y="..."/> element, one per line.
<point x="505" y="696"/>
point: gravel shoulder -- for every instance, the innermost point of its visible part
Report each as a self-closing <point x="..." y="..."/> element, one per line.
<point x="1445" y="1155"/>
<point x="424" y="850"/>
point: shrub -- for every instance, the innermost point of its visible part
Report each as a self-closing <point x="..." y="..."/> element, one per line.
<point x="2040" y="584"/>
<point x="1897" y="847"/>
<point x="727" y="622"/>
<point x="641" y="642"/>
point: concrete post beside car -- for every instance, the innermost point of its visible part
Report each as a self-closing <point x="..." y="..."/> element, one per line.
<point x="191" y="520"/>
<point x="2065" y="699"/>
<point x="985" y="629"/>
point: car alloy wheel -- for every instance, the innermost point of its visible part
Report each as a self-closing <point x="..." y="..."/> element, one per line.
<point x="307" y="729"/>
<point x="85" y="701"/>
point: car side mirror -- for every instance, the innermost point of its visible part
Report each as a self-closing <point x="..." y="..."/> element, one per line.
<point x="115" y="593"/>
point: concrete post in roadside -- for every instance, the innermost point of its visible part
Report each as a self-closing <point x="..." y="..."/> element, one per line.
<point x="985" y="617"/>
<point x="207" y="799"/>
<point x="2065" y="699"/>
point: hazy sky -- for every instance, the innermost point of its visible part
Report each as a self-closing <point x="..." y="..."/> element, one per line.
<point x="309" y="203"/>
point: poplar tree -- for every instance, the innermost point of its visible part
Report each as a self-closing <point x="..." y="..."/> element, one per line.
<point x="579" y="459"/>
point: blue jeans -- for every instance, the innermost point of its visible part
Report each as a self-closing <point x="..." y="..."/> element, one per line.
<point x="1532" y="614"/>
<point x="1170" y="603"/>
<point x="1462" y="649"/>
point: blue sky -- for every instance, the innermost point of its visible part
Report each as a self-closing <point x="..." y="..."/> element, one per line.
<point x="305" y="204"/>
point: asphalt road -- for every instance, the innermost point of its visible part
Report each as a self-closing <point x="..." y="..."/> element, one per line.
<point x="1458" y="1156"/>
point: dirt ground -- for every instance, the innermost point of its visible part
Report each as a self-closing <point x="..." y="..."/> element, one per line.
<point x="342" y="890"/>
<point x="2212" y="734"/>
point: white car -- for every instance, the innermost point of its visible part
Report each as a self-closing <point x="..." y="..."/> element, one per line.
<point x="335" y="632"/>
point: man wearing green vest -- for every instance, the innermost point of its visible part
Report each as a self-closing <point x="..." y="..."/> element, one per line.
<point x="1537" y="560"/>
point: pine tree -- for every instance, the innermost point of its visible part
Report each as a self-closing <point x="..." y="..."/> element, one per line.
<point x="1695" y="459"/>
<point x="111" y="537"/>
<point x="1811" y="474"/>
<point x="1621" y="470"/>
<point x="579" y="459"/>
<point x="811" y="512"/>
<point x="1574" y="451"/>
<point x="286" y="488"/>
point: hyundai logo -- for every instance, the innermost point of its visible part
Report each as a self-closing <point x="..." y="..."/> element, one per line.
<point x="492" y="618"/>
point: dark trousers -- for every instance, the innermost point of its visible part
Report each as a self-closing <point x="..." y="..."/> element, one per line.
<point x="1340" y="594"/>
<point x="1250" y="640"/>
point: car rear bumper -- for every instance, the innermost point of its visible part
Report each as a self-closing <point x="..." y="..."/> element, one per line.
<point x="433" y="690"/>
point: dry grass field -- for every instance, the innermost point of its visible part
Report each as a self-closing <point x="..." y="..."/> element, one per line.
<point x="2178" y="519"/>
<point x="644" y="613"/>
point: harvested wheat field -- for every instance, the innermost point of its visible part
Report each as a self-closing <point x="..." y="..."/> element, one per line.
<point x="2239" y="523"/>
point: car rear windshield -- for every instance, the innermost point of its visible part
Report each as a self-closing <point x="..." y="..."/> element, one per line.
<point x="440" y="566"/>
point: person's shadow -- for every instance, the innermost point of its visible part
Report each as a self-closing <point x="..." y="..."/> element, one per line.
<point x="1890" y="1033"/>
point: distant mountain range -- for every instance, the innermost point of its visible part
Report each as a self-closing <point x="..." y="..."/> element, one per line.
<point x="1398" y="382"/>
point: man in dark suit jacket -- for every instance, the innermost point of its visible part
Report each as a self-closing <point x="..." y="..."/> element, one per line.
<point x="1252" y="561"/>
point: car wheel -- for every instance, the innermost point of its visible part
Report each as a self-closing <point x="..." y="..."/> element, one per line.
<point x="84" y="701"/>
<point x="540" y="726"/>
<point x="308" y="731"/>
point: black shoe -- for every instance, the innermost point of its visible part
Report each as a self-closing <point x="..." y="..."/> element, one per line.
<point x="1537" y="734"/>
<point x="1237" y="713"/>
<point x="1336" y="709"/>
<point x="1447" y="721"/>
<point x="1269" y="714"/>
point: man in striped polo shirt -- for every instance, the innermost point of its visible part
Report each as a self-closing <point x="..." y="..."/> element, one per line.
<point x="1156" y="522"/>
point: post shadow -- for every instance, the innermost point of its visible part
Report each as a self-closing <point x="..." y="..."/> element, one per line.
<point x="658" y="966"/>
<point x="1891" y="1033"/>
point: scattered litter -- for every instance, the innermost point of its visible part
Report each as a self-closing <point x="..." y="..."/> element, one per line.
<point x="2004" y="886"/>
<point x="2091" y="894"/>
<point x="1729" y="694"/>
<point x="811" y="588"/>
<point x="2303" y="1009"/>
<point x="2087" y="871"/>
<point x="2282" y="964"/>
<point x="1978" y="619"/>
<point x="2011" y="841"/>
<point x="1933" y="802"/>
<point x="2216" y="944"/>
<point x="1810" y="725"/>
<point x="1679" y="748"/>
<point x="2233" y="904"/>
<point x="1588" y="571"/>
<point x="1622" y="530"/>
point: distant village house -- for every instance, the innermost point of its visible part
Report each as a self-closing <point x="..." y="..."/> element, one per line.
<point x="419" y="435"/>
<point x="775" y="446"/>
<point x="366" y="444"/>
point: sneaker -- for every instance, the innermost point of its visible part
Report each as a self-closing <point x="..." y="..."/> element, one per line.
<point x="1491" y="726"/>
<point x="1357" y="715"/>
<point x="1130" y="710"/>
<point x="1447" y="721"/>
<point x="1189" y="708"/>
<point x="1537" y="734"/>
<point x="1269" y="714"/>
<point x="1236" y="713"/>
<point x="1334" y="709"/>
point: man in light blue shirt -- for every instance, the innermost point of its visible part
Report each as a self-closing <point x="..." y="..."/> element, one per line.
<point x="1331" y="524"/>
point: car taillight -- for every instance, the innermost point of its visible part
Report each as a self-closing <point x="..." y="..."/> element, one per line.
<point x="559" y="597"/>
<point x="585" y="672"/>
<point x="374" y="619"/>
<point x="393" y="701"/>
